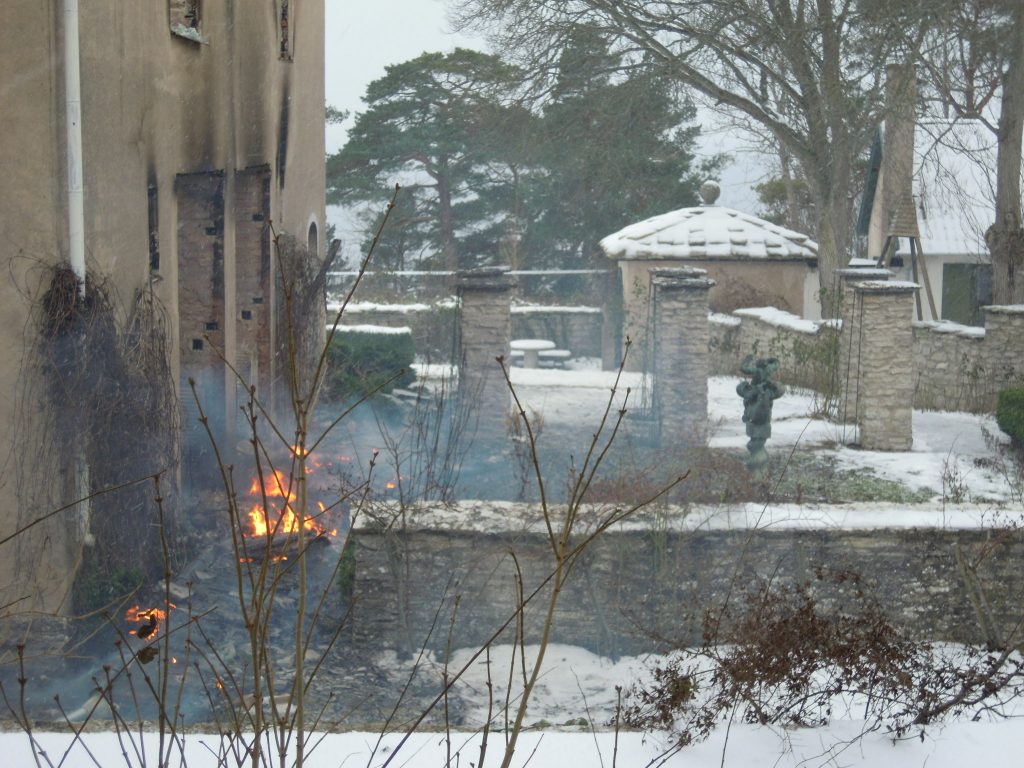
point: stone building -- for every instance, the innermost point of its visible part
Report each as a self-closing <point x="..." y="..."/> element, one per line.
<point x="200" y="123"/>
<point x="752" y="262"/>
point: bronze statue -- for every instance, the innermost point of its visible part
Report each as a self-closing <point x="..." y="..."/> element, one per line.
<point x="758" y="395"/>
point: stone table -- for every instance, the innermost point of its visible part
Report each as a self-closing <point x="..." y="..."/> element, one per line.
<point x="530" y="349"/>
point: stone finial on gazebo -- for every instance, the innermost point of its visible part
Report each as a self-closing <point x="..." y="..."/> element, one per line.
<point x="885" y="396"/>
<point x="680" y="366"/>
<point x="485" y="331"/>
<point x="709" y="192"/>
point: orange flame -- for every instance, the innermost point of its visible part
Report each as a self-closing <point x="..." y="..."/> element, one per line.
<point x="152" y="617"/>
<point x="285" y="521"/>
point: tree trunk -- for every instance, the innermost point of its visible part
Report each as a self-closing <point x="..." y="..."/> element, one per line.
<point x="1005" y="238"/>
<point x="444" y="209"/>
<point x="833" y="246"/>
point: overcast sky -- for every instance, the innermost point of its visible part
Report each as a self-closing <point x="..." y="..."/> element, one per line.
<point x="364" y="36"/>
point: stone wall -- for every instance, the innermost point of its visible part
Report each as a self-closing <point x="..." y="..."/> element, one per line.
<point x="884" y="398"/>
<point x="949" y="367"/>
<point x="576" y="329"/>
<point x="635" y="586"/>
<point x="955" y="368"/>
<point x="681" y="344"/>
<point x="805" y="348"/>
<point x="963" y="368"/>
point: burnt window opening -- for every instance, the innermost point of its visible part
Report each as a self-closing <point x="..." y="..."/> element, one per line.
<point x="286" y="45"/>
<point x="197" y="344"/>
<point x="247" y="314"/>
<point x="313" y="239"/>
<point x="257" y="299"/>
<point x="210" y="326"/>
<point x="185" y="18"/>
<point x="154" y="228"/>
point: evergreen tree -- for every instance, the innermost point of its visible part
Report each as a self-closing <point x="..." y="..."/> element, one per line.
<point x="430" y="125"/>
<point x="615" y="148"/>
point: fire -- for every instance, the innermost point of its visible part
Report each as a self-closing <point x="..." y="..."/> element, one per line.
<point x="150" y="618"/>
<point x="277" y="486"/>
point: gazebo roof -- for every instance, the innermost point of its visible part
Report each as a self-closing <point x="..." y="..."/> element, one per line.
<point x="708" y="232"/>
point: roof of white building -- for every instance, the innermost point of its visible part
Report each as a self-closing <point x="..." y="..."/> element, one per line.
<point x="954" y="185"/>
<point x="708" y="231"/>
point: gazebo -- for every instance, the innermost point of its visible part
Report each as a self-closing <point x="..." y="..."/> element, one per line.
<point x="753" y="262"/>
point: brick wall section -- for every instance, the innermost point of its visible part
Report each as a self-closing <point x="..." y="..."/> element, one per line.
<point x="885" y="372"/>
<point x="681" y="343"/>
<point x="201" y="305"/>
<point x="633" y="586"/>
<point x="253" y="271"/>
<point x="485" y="329"/>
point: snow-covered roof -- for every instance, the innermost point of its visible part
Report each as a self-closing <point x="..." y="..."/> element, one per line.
<point x="954" y="185"/>
<point x="708" y="232"/>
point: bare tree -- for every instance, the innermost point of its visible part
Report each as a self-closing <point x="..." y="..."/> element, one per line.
<point x="1005" y="238"/>
<point x="823" y="59"/>
<point x="973" y="64"/>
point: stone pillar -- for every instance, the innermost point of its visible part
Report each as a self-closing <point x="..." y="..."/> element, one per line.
<point x="846" y="383"/>
<point x="680" y="366"/>
<point x="885" y="398"/>
<point x="1003" y="357"/>
<point x="485" y="331"/>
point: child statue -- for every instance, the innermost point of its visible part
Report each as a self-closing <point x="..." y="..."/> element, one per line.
<point x="758" y="395"/>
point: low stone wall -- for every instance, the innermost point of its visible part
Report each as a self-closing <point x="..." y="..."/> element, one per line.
<point x="636" y="587"/>
<point x="949" y="367"/>
<point x="959" y="367"/>
<point x="577" y="329"/>
<point x="805" y="348"/>
<point x="956" y="367"/>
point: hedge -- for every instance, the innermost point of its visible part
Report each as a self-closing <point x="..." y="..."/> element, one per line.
<point x="362" y="359"/>
<point x="1010" y="413"/>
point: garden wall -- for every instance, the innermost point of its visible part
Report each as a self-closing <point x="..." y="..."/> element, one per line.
<point x="956" y="367"/>
<point x="634" y="588"/>
<point x="577" y="328"/>
<point x="806" y="349"/>
<point x="960" y="367"/>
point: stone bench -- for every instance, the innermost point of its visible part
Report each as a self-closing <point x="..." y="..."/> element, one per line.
<point x="556" y="358"/>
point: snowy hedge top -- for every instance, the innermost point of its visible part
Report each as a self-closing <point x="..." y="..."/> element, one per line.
<point x="708" y="232"/>
<point x="374" y="329"/>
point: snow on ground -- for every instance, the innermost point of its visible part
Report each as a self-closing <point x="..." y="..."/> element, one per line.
<point x="576" y="684"/>
<point x="741" y="746"/>
<point x="950" y="447"/>
<point x="570" y="723"/>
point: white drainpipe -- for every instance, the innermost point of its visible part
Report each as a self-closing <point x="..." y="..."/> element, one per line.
<point x="73" y="101"/>
<point x="76" y="209"/>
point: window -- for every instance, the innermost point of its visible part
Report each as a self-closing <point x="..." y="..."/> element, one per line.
<point x="286" y="42"/>
<point x="313" y="240"/>
<point x="154" y="228"/>
<point x="185" y="17"/>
